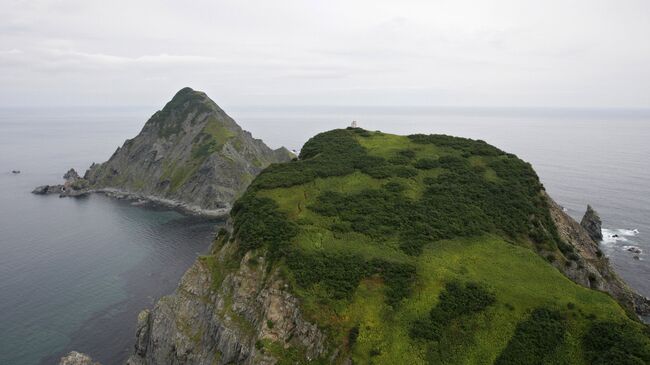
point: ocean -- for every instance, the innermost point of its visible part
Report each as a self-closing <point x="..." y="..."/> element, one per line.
<point x="74" y="273"/>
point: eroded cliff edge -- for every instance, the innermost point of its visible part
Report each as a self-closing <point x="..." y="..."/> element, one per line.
<point x="224" y="314"/>
<point x="592" y="269"/>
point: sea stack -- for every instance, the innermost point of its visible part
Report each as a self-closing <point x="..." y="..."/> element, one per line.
<point x="592" y="224"/>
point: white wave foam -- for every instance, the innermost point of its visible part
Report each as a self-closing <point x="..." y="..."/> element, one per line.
<point x="627" y="232"/>
<point x="633" y="249"/>
<point x="611" y="236"/>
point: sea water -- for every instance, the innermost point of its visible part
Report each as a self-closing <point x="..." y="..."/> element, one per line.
<point x="74" y="273"/>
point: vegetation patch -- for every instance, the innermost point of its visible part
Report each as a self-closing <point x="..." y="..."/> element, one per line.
<point x="535" y="339"/>
<point x="455" y="302"/>
<point x="340" y="274"/>
<point x="259" y="223"/>
<point x="622" y="343"/>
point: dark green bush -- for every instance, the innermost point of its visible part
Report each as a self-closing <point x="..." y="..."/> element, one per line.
<point x="535" y="338"/>
<point x="474" y="147"/>
<point x="426" y="164"/>
<point x="407" y="153"/>
<point x="456" y="301"/>
<point x="340" y="274"/>
<point x="259" y="223"/>
<point x="616" y="343"/>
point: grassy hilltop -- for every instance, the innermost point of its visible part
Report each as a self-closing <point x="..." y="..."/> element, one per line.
<point x="426" y="249"/>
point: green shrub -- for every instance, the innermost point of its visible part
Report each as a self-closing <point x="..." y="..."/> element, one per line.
<point x="258" y="223"/>
<point x="473" y="147"/>
<point x="426" y="164"/>
<point x="456" y="301"/>
<point x="535" y="339"/>
<point x="340" y="274"/>
<point x="616" y="343"/>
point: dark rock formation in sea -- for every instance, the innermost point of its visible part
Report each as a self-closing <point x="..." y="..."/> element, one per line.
<point x="592" y="224"/>
<point x="73" y="186"/>
<point x="190" y="155"/>
<point x="77" y="358"/>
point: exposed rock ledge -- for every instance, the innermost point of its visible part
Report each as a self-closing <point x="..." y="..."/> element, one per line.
<point x="168" y="203"/>
<point x="593" y="270"/>
<point x="70" y="190"/>
<point x="77" y="358"/>
<point x="73" y="186"/>
<point x="199" y="324"/>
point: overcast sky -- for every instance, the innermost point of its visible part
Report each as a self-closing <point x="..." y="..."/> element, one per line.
<point x="461" y="53"/>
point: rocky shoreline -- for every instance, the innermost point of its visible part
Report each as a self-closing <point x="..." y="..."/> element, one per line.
<point x="150" y="200"/>
<point x="136" y="198"/>
<point x="76" y="187"/>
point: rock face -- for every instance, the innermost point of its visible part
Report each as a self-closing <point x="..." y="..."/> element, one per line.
<point x="213" y="320"/>
<point x="77" y="358"/>
<point x="191" y="151"/>
<point x="592" y="269"/>
<point x="592" y="224"/>
<point x="71" y="175"/>
<point x="74" y="186"/>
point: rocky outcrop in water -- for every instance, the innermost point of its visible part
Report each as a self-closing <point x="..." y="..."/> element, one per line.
<point x="73" y="186"/>
<point x="229" y="319"/>
<point x="77" y="358"/>
<point x="592" y="224"/>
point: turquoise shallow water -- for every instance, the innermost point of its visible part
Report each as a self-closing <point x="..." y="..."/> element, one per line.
<point x="75" y="272"/>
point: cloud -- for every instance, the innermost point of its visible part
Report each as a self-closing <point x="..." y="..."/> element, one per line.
<point x="500" y="52"/>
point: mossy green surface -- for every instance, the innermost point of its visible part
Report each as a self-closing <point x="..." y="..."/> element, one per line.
<point x="211" y="139"/>
<point x="378" y="234"/>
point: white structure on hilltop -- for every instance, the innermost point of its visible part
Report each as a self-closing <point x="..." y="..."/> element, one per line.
<point x="354" y="124"/>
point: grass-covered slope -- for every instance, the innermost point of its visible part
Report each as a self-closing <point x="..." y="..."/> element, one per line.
<point x="427" y="249"/>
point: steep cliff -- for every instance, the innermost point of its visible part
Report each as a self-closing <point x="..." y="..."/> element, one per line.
<point x="226" y="311"/>
<point x="191" y="152"/>
<point x="375" y="248"/>
<point x="591" y="269"/>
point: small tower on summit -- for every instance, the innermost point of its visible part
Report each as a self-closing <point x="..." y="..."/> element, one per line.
<point x="354" y="124"/>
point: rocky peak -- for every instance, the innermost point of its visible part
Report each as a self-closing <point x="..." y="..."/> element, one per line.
<point x="189" y="152"/>
<point x="592" y="224"/>
<point x="71" y="175"/>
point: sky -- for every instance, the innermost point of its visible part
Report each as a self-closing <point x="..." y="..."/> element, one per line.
<point x="516" y="53"/>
